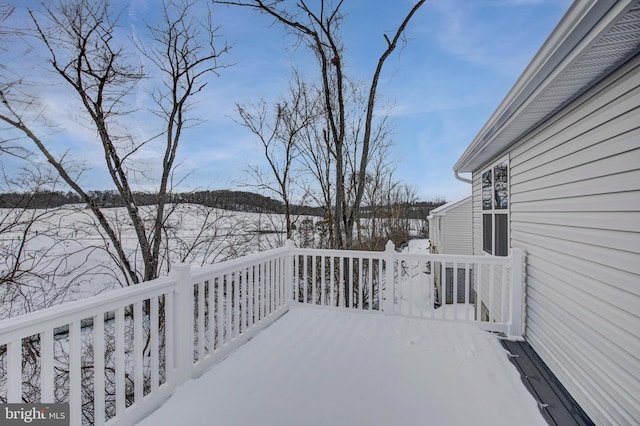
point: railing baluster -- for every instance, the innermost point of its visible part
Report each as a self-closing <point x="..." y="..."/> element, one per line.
<point x="252" y="303"/>
<point x="479" y="294"/>
<point x="235" y="279"/>
<point x="98" y="370"/>
<point x="263" y="291"/>
<point x="266" y="286"/>
<point x="305" y="274"/>
<point x="360" y="284"/>
<point x="467" y="291"/>
<point x="422" y="294"/>
<point x="431" y="291"/>
<point x="314" y="283"/>
<point x="154" y="331"/>
<point x="491" y="291"/>
<point x="284" y="293"/>
<point x="244" y="297"/>
<point x="269" y="286"/>
<point x="75" y="376"/>
<point x="14" y="371"/>
<point x="220" y="311"/>
<point x="120" y="372"/>
<point x="332" y="281"/>
<point x="279" y="283"/>
<point x="255" y="282"/>
<point x="46" y="367"/>
<point x="200" y="286"/>
<point x="443" y="289"/>
<point x="455" y="290"/>
<point x="170" y="335"/>
<point x="341" y="283"/>
<point x="211" y="315"/>
<point x="274" y="285"/>
<point x="350" y="265"/>
<point x="379" y="284"/>
<point x="323" y="272"/>
<point x="138" y="353"/>
<point x="284" y="296"/>
<point x="370" y="283"/>
<point x="503" y="296"/>
<point x="296" y="278"/>
<point x="228" y="289"/>
<point x="255" y="279"/>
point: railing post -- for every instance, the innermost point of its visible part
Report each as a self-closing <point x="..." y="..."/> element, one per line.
<point x="389" y="260"/>
<point x="182" y="322"/>
<point x="289" y="278"/>
<point x="517" y="284"/>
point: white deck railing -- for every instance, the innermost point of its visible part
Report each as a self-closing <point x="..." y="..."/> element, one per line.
<point x="117" y="356"/>
<point x="486" y="290"/>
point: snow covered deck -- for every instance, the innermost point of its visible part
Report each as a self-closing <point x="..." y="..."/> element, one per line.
<point x="319" y="366"/>
<point x="289" y="336"/>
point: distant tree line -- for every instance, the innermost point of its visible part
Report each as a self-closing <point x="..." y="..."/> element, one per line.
<point x="223" y="199"/>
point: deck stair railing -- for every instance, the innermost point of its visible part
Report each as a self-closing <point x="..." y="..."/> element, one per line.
<point x="117" y="356"/>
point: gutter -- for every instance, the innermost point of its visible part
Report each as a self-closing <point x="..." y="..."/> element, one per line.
<point x="461" y="179"/>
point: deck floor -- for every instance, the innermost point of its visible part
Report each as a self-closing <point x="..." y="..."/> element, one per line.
<point x="319" y="366"/>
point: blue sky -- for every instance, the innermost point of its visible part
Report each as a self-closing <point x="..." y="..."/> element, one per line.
<point x="461" y="59"/>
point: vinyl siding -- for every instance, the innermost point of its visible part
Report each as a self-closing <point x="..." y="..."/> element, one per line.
<point x="456" y="238"/>
<point x="575" y="211"/>
<point x="450" y="229"/>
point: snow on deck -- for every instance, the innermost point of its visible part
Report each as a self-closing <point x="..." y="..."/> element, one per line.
<point x="319" y="366"/>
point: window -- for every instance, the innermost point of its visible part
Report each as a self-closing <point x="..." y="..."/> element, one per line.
<point x="495" y="209"/>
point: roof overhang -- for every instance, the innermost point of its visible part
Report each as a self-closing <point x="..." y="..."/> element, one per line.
<point x="591" y="40"/>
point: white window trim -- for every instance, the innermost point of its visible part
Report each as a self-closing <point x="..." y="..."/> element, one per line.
<point x="493" y="211"/>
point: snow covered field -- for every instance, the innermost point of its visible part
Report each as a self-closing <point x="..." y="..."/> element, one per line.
<point x="64" y="257"/>
<point x="319" y="366"/>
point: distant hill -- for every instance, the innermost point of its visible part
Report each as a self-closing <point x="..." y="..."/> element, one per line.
<point x="222" y="199"/>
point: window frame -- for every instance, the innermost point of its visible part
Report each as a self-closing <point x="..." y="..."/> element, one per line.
<point x="489" y="207"/>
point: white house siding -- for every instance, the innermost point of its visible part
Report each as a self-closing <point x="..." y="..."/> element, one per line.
<point x="457" y="229"/>
<point x="450" y="227"/>
<point x="575" y="210"/>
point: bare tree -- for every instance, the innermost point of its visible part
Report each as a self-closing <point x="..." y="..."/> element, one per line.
<point x="318" y="160"/>
<point x="319" y="30"/>
<point x="213" y="235"/>
<point x="279" y="130"/>
<point x="41" y="264"/>
<point x="81" y="39"/>
<point x="184" y="55"/>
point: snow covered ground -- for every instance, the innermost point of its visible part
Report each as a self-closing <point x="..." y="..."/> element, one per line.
<point x="68" y="259"/>
<point x="319" y="366"/>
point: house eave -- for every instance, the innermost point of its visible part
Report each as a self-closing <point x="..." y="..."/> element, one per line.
<point x="591" y="40"/>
